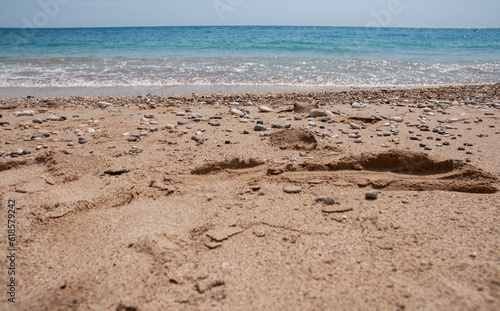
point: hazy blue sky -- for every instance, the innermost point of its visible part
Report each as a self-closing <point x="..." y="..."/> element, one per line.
<point x="387" y="13"/>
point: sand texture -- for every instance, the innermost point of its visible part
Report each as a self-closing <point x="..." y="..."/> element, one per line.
<point x="125" y="207"/>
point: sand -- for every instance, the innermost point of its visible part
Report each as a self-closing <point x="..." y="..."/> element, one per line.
<point x="169" y="223"/>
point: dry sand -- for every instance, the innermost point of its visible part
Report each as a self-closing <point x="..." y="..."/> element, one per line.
<point x="168" y="223"/>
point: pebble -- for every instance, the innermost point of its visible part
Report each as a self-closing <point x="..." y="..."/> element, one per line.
<point x="246" y="132"/>
<point x="243" y="120"/>
<point x="277" y="126"/>
<point x="414" y="138"/>
<point x="264" y="109"/>
<point x="260" y="128"/>
<point x="354" y="126"/>
<point x="292" y="189"/>
<point x="234" y="104"/>
<point x="37" y="120"/>
<point x="180" y="114"/>
<point x="81" y="141"/>
<point x="103" y="104"/>
<point x="237" y="112"/>
<point x="195" y="115"/>
<point x="214" y="123"/>
<point x="132" y="138"/>
<point x="149" y="115"/>
<point x="26" y="151"/>
<point x="54" y="118"/>
<point x="396" y="119"/>
<point x="356" y="105"/>
<point x="181" y="122"/>
<point x="327" y="200"/>
<point x="25" y="113"/>
<point x="316" y="113"/>
<point x="372" y="194"/>
<point x="358" y="141"/>
<point x="19" y="151"/>
<point x="325" y="119"/>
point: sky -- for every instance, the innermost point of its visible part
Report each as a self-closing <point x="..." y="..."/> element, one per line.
<point x="122" y="13"/>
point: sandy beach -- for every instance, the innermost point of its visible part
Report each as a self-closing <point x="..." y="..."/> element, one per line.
<point x="360" y="199"/>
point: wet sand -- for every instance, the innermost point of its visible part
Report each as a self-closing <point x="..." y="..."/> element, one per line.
<point x="122" y="206"/>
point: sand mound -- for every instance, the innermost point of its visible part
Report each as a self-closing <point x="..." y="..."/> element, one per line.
<point x="303" y="107"/>
<point x="296" y="138"/>
<point x="11" y="163"/>
<point x="401" y="170"/>
<point x="395" y="161"/>
<point x="233" y="164"/>
<point x="64" y="167"/>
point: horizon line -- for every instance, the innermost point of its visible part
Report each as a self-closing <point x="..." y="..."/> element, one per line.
<point x="222" y="26"/>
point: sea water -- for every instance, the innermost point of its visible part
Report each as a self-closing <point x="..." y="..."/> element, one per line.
<point x="247" y="56"/>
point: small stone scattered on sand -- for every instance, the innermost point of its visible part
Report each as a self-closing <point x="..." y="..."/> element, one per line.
<point x="373" y="194"/>
<point x="292" y="189"/>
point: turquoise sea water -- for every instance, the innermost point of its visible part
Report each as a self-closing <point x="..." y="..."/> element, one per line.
<point x="247" y="56"/>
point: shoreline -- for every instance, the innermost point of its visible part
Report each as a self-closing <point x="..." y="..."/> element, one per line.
<point x="183" y="90"/>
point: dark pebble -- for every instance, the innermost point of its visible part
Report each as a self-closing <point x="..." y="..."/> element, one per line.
<point x="227" y="142"/>
<point x="26" y="151"/>
<point x="260" y="128"/>
<point x="132" y="138"/>
<point x="45" y="135"/>
<point x="4" y="123"/>
<point x="214" y="123"/>
<point x="423" y="145"/>
<point x="468" y="145"/>
<point x="325" y="119"/>
<point x="414" y="138"/>
<point x="216" y="117"/>
<point x="246" y="132"/>
<point x="435" y="130"/>
<point x="468" y="160"/>
<point x="81" y="141"/>
<point x="181" y="122"/>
